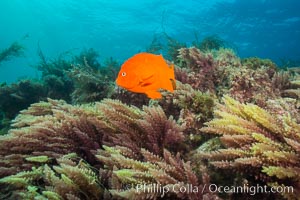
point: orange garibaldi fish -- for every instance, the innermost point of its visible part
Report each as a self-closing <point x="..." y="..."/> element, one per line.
<point x="147" y="73"/>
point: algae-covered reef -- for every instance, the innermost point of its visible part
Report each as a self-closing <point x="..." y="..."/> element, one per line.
<point x="230" y="122"/>
<point x="70" y="77"/>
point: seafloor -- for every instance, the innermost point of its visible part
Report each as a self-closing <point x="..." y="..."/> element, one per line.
<point x="230" y="130"/>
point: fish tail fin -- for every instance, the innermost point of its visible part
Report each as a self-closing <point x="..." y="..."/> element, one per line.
<point x="173" y="84"/>
<point x="172" y="77"/>
<point x="171" y="71"/>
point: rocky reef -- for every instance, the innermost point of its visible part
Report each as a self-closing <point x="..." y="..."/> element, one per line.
<point x="76" y="78"/>
<point x="230" y="122"/>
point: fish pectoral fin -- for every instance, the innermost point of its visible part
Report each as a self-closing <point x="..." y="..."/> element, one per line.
<point x="152" y="94"/>
<point x="144" y="82"/>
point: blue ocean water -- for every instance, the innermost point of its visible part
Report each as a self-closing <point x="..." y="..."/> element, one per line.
<point x="121" y="28"/>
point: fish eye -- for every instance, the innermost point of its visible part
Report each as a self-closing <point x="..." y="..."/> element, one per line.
<point x="123" y="74"/>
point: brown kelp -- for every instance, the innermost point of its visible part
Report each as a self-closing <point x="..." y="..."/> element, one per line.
<point x="163" y="42"/>
<point x="191" y="108"/>
<point x="69" y="178"/>
<point x="258" y="143"/>
<point x="47" y="131"/>
<point x="200" y="68"/>
<point x="222" y="72"/>
<point x="212" y="42"/>
<point x="18" y="96"/>
<point x="52" y="129"/>
<point x="89" y="84"/>
<point x="73" y="78"/>
<point x="14" y="50"/>
<point x="141" y="178"/>
<point x="77" y="78"/>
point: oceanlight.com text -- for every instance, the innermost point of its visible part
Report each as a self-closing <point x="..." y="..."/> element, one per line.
<point x="188" y="188"/>
<point x="252" y="190"/>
